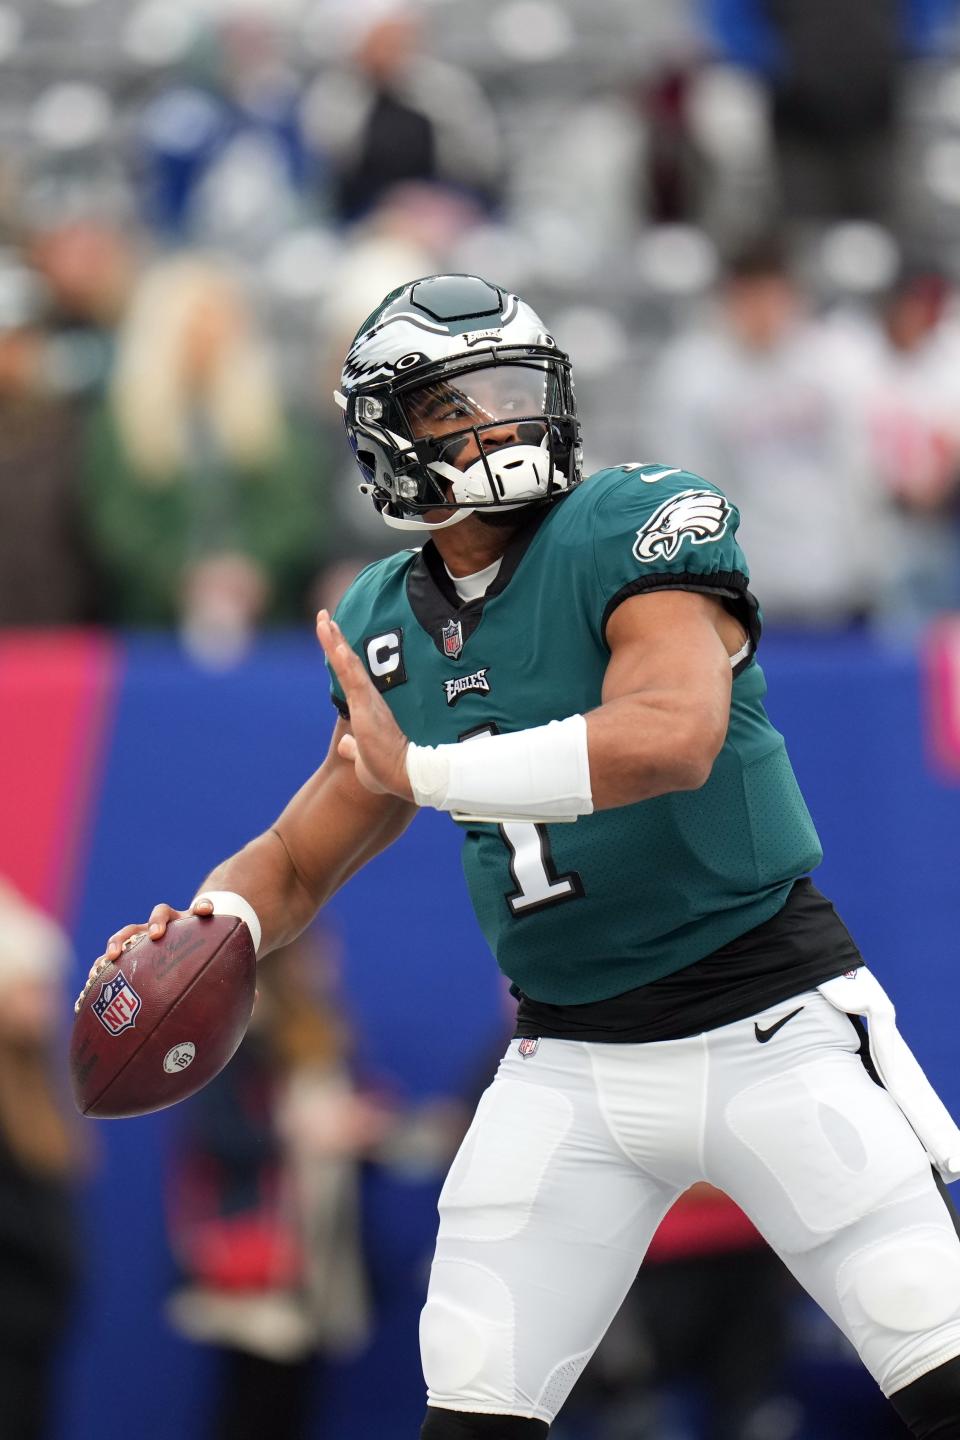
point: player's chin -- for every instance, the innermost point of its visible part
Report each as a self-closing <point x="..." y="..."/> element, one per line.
<point x="508" y="518"/>
<point x="438" y="516"/>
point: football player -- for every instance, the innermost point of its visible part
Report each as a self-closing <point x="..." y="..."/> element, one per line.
<point x="568" y="667"/>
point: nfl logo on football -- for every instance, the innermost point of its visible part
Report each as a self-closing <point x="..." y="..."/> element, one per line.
<point x="117" y="1004"/>
<point x="452" y="639"/>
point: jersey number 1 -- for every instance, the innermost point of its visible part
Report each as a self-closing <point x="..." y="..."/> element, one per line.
<point x="531" y="861"/>
<point x="533" y="870"/>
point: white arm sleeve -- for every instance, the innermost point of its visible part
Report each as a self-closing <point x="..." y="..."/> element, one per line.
<point x="531" y="775"/>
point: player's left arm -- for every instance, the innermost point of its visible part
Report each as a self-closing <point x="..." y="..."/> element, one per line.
<point x="662" y="721"/>
<point x="666" y="697"/>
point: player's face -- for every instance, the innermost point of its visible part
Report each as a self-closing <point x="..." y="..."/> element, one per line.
<point x="486" y="409"/>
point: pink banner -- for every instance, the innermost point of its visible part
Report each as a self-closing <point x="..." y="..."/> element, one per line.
<point x="56" y="700"/>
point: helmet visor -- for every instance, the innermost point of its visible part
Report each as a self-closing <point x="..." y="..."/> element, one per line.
<point x="487" y="399"/>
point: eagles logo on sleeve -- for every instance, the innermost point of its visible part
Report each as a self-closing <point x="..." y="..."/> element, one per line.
<point x="700" y="514"/>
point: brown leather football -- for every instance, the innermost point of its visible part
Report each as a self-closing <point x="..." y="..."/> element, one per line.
<point x="158" y="1023"/>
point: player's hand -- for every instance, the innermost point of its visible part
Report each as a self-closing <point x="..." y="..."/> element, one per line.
<point x="155" y="928"/>
<point x="377" y="746"/>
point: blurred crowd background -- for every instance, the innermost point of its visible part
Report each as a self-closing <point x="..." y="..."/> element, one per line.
<point x="741" y="217"/>
<point x="742" y="220"/>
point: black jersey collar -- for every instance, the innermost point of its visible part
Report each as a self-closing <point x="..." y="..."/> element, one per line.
<point x="432" y="594"/>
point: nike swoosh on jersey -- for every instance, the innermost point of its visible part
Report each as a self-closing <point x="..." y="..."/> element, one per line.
<point x="656" y="475"/>
<point x="764" y="1035"/>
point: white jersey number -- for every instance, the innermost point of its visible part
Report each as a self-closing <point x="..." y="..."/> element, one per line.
<point x="531" y="860"/>
<point x="533" y="870"/>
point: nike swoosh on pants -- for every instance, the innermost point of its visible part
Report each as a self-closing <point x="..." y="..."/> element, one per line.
<point x="764" y="1035"/>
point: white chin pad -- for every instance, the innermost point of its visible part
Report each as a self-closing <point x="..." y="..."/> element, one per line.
<point x="519" y="472"/>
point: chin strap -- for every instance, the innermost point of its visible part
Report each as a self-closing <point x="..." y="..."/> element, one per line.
<point x="398" y="522"/>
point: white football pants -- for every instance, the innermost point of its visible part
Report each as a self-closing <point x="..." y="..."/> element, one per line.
<point x="577" y="1151"/>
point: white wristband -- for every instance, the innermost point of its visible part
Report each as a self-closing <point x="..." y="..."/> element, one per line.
<point x="226" y="902"/>
<point x="531" y="775"/>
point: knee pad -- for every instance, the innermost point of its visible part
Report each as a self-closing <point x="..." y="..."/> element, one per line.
<point x="460" y="1425"/>
<point x="466" y="1335"/>
<point x="909" y="1282"/>
<point x="930" y="1407"/>
<point x="901" y="1300"/>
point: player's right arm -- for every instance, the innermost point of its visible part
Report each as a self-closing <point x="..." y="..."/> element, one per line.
<point x="331" y="827"/>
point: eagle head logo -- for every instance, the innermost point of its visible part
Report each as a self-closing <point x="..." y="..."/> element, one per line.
<point x="700" y="514"/>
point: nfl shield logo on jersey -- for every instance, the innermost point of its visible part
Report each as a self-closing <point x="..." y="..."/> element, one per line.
<point x="117" y="1004"/>
<point x="452" y="639"/>
<point x="528" y="1046"/>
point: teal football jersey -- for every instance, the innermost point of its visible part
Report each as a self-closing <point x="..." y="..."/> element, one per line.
<point x="580" y="912"/>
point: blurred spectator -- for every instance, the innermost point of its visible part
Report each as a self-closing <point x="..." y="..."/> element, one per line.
<point x="911" y="395"/>
<point x="397" y="114"/>
<point x="410" y="231"/>
<point x="833" y="70"/>
<point x="89" y="267"/>
<point x="265" y="1205"/>
<point x="38" y="1159"/>
<point x="44" y="578"/>
<point x="222" y="158"/>
<point x="760" y="403"/>
<point x="202" y="497"/>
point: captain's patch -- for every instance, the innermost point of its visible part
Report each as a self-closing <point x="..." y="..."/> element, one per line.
<point x="697" y="515"/>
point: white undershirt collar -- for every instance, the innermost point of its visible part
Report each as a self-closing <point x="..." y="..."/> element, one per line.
<point x="471" y="587"/>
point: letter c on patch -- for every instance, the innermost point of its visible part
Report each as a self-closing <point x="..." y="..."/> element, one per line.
<point x="384" y="655"/>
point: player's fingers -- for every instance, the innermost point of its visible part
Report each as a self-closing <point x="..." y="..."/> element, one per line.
<point x="369" y="778"/>
<point x="347" y="748"/>
<point x="352" y="670"/>
<point x="348" y="657"/>
<point x="327" y="622"/>
<point x="113" y="951"/>
<point x="160" y="917"/>
<point x="330" y="648"/>
<point x="202" y="907"/>
<point x="94" y="972"/>
<point x="345" y="662"/>
<point x="98" y="965"/>
<point x="119" y="939"/>
<point x="325" y="633"/>
<point x="348" y="670"/>
<point x="95" y="969"/>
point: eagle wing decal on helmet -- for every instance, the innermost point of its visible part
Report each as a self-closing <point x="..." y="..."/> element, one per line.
<point x="700" y="514"/>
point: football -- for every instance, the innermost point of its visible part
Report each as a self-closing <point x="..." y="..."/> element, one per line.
<point x="159" y="1022"/>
